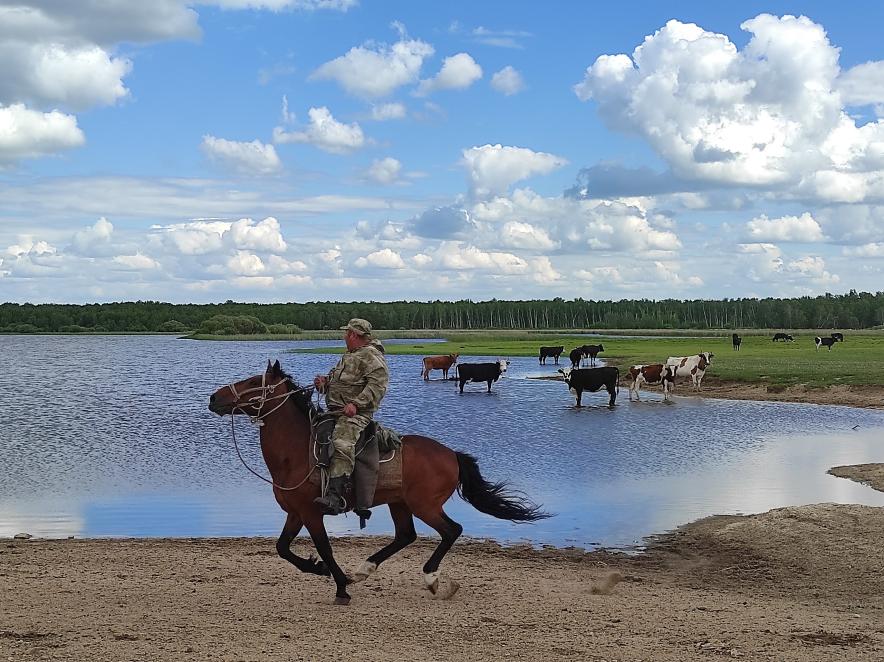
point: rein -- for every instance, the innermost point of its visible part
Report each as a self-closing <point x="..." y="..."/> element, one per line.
<point x="258" y="419"/>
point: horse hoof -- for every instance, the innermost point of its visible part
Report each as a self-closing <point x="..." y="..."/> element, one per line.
<point x="344" y="601"/>
<point x="364" y="571"/>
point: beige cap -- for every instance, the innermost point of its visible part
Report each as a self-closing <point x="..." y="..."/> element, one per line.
<point x="357" y="325"/>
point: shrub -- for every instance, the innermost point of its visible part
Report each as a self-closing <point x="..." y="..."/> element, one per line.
<point x="74" y="328"/>
<point x="172" y="326"/>
<point x="284" y="329"/>
<point x="232" y="325"/>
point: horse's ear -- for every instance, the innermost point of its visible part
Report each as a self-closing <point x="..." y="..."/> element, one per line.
<point x="269" y="366"/>
<point x="277" y="369"/>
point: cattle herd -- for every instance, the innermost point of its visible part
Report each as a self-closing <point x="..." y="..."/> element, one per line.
<point x="591" y="379"/>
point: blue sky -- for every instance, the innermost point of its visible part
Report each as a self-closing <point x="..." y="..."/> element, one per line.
<point x="296" y="150"/>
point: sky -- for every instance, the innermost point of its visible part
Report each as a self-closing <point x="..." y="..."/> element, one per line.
<point x="314" y="150"/>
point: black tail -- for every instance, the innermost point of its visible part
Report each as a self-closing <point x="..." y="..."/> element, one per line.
<point x="495" y="499"/>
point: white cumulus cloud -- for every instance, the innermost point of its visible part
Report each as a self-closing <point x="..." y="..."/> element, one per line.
<point x="802" y="228"/>
<point x="325" y="132"/>
<point x="458" y="72"/>
<point x="385" y="258"/>
<point x="26" y="133"/>
<point x="863" y="84"/>
<point x="248" y="158"/>
<point x="493" y="168"/>
<point x="508" y="81"/>
<point x="384" y="171"/>
<point x="136" y="262"/>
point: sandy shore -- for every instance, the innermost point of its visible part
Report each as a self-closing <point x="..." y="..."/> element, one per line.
<point x="792" y="584"/>
<point x="868" y="474"/>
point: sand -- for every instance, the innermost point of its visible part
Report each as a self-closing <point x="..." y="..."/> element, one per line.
<point x="804" y="583"/>
<point x="868" y="474"/>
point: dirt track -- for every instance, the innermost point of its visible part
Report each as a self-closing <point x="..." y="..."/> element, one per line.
<point x="793" y="584"/>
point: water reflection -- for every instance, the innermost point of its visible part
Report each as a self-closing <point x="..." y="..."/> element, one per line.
<point x="110" y="436"/>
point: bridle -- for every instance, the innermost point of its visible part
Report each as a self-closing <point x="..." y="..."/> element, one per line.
<point x="265" y="394"/>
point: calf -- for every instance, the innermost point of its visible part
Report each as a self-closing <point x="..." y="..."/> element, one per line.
<point x="737" y="341"/>
<point x="481" y="372"/>
<point x="782" y="336"/>
<point x="694" y="366"/>
<point x="546" y="352"/>
<point x="592" y="351"/>
<point x="592" y="379"/>
<point x="442" y="363"/>
<point x="654" y="373"/>
<point x="824" y="342"/>
<point x="838" y="336"/>
<point x="575" y="355"/>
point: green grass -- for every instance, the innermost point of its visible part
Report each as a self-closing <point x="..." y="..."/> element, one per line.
<point x="859" y="360"/>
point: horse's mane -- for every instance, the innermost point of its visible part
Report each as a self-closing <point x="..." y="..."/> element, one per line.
<point x="302" y="399"/>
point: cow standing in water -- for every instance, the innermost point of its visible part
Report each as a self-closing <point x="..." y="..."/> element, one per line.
<point x="592" y="380"/>
<point x="575" y="355"/>
<point x="592" y="351"/>
<point x="654" y="373"/>
<point x="481" y="372"/>
<point x="442" y="363"/>
<point x="737" y="341"/>
<point x="555" y="352"/>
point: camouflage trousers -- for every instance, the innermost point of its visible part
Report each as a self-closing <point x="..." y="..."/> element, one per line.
<point x="344" y="438"/>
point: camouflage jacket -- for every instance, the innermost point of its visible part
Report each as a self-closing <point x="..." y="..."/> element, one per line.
<point x="360" y="377"/>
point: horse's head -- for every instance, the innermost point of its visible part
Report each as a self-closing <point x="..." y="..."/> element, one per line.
<point x="249" y="395"/>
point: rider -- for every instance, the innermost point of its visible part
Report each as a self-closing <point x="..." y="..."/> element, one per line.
<point x="354" y="389"/>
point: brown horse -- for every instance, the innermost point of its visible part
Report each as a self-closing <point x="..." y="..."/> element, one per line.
<point x="431" y="473"/>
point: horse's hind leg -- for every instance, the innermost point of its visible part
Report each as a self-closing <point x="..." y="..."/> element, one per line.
<point x="450" y="531"/>
<point x="405" y="535"/>
<point x="284" y="543"/>
<point x="316" y="527"/>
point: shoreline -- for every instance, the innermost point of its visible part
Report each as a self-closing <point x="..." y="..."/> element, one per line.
<point x="802" y="583"/>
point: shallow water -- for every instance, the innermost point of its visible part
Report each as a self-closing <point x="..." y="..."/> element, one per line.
<point x="111" y="436"/>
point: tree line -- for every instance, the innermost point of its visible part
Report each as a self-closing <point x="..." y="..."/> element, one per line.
<point x="854" y="310"/>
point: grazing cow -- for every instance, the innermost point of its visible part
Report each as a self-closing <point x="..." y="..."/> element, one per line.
<point x="546" y="352"/>
<point x="575" y="355"/>
<point x="654" y="373"/>
<point x="824" y="342"/>
<point x="442" y="363"/>
<point x="737" y="341"/>
<point x="694" y="366"/>
<point x="592" y="379"/>
<point x="480" y="372"/>
<point x="592" y="351"/>
<point x="782" y="336"/>
<point x="838" y="336"/>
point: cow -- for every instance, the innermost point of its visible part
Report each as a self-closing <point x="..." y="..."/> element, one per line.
<point x="592" y="380"/>
<point x="782" y="336"/>
<point x="693" y="366"/>
<point x="592" y="351"/>
<point x="654" y="373"/>
<point x="555" y="352"/>
<point x="838" y="336"/>
<point x="737" y="341"/>
<point x="575" y="355"/>
<point x="824" y="342"/>
<point x="480" y="372"/>
<point x="442" y="363"/>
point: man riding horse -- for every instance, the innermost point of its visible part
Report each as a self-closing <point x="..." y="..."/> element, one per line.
<point x="353" y="391"/>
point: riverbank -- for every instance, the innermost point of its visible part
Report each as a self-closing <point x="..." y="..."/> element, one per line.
<point x="797" y="584"/>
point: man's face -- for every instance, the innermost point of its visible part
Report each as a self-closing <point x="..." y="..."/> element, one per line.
<point x="350" y="338"/>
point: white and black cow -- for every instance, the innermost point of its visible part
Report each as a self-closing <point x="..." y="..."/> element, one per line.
<point x="592" y="380"/>
<point x="691" y="366"/>
<point x="481" y="372"/>
<point x="824" y="342"/>
<point x="838" y="336"/>
<point x="654" y="373"/>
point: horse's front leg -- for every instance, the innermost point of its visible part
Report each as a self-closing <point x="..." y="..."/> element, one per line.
<point x="284" y="544"/>
<point x="316" y="527"/>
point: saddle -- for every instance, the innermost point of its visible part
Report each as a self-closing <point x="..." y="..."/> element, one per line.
<point x="378" y="463"/>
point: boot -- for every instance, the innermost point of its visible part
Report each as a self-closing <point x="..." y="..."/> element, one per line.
<point x="333" y="502"/>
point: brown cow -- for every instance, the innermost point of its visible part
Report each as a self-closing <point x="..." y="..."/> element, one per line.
<point x="653" y="373"/>
<point x="442" y="363"/>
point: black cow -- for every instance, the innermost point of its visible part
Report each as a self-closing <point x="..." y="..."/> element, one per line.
<point x="824" y="342"/>
<point x="838" y="336"/>
<point x="782" y="336"/>
<point x="592" y="351"/>
<point x="737" y="341"/>
<point x="546" y="352"/>
<point x="592" y="380"/>
<point x="575" y="356"/>
<point x="480" y="372"/>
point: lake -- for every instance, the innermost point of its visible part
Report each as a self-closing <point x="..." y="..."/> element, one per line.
<point x="111" y="436"/>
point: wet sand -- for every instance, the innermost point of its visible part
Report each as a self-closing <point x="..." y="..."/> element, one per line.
<point x="868" y="474"/>
<point x="803" y="583"/>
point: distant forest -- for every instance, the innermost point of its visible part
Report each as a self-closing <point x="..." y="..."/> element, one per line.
<point x="854" y="310"/>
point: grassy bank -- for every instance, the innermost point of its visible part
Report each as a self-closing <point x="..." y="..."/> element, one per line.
<point x="858" y="361"/>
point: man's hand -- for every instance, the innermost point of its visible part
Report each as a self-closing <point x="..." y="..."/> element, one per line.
<point x="350" y="409"/>
<point x="319" y="382"/>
